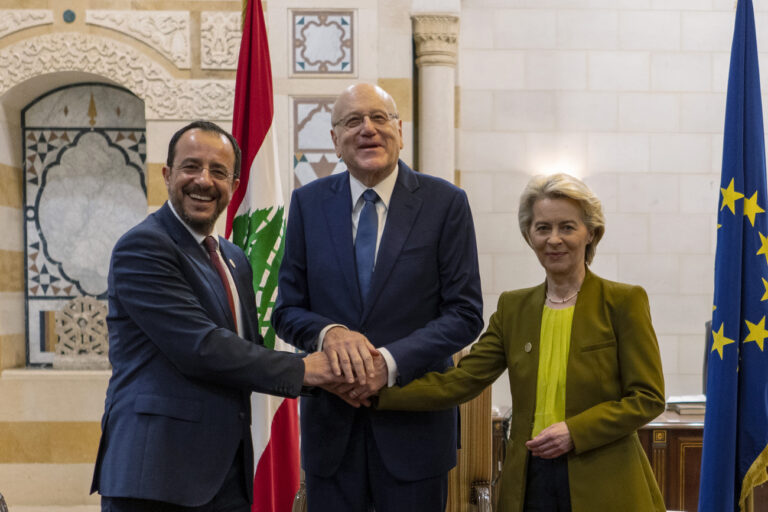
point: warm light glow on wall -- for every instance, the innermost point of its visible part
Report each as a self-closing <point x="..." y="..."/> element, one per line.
<point x="562" y="166"/>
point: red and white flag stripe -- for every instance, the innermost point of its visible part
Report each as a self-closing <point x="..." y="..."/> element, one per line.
<point x="256" y="220"/>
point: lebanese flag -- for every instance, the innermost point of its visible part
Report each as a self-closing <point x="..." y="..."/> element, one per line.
<point x="256" y="220"/>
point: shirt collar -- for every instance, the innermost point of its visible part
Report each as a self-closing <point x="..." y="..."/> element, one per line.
<point x="384" y="188"/>
<point x="197" y="236"/>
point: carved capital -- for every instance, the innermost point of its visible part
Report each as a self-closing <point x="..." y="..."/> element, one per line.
<point x="437" y="39"/>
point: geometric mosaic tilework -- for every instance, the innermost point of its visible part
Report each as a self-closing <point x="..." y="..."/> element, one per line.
<point x="48" y="193"/>
<point x="323" y="42"/>
<point x="313" y="153"/>
<point x="84" y="186"/>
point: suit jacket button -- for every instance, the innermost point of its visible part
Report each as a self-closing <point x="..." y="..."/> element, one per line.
<point x="242" y="415"/>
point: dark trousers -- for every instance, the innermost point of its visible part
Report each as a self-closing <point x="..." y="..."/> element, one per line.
<point x="231" y="497"/>
<point x="363" y="484"/>
<point x="546" y="485"/>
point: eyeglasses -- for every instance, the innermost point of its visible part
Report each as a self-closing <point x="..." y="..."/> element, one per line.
<point x="378" y="117"/>
<point x="215" y="172"/>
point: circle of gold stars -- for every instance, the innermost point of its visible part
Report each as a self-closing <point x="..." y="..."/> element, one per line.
<point x="757" y="331"/>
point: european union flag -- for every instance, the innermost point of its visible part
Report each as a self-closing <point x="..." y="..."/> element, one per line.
<point x="735" y="453"/>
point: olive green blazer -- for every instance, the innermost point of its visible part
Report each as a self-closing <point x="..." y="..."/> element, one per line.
<point x="614" y="385"/>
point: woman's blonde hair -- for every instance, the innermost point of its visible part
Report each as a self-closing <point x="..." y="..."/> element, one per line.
<point x="557" y="186"/>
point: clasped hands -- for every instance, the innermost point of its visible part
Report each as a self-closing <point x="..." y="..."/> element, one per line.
<point x="349" y="366"/>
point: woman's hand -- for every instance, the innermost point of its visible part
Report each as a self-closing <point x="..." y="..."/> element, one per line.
<point x="553" y="441"/>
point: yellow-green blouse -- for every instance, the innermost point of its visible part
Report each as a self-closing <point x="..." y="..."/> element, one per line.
<point x="550" y="383"/>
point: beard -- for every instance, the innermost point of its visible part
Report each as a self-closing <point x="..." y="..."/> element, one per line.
<point x="202" y="225"/>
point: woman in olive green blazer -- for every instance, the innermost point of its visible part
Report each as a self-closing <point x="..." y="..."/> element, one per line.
<point x="614" y="382"/>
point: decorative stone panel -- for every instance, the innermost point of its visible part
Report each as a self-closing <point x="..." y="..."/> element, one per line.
<point x="84" y="186"/>
<point x="81" y="327"/>
<point x="165" y="31"/>
<point x="220" y="34"/>
<point x="13" y="20"/>
<point x="164" y="96"/>
<point x="323" y="42"/>
<point x="313" y="153"/>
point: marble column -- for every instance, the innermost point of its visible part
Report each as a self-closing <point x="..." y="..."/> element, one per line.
<point x="436" y="37"/>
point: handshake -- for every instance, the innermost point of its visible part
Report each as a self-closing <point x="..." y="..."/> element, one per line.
<point x="348" y="366"/>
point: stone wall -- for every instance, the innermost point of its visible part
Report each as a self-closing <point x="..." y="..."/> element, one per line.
<point x="630" y="96"/>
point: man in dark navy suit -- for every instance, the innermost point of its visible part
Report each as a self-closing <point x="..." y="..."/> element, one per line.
<point x="185" y="347"/>
<point x="379" y="256"/>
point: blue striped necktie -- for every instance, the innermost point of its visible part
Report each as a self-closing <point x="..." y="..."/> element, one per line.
<point x="365" y="242"/>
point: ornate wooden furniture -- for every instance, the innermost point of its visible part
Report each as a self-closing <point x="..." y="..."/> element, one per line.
<point x="469" y="483"/>
<point x="673" y="443"/>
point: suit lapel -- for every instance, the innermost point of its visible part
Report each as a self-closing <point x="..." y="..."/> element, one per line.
<point x="196" y="254"/>
<point x="206" y="269"/>
<point x="584" y="314"/>
<point x="229" y="261"/>
<point x="238" y="278"/>
<point x="588" y="321"/>
<point x="248" y="309"/>
<point x="404" y="206"/>
<point x="530" y="340"/>
<point x="532" y="311"/>
<point x="337" y="205"/>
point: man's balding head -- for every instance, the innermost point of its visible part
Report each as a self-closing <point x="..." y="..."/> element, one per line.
<point x="367" y="132"/>
<point x="357" y="91"/>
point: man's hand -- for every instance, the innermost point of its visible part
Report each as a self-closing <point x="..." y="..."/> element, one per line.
<point x="357" y="394"/>
<point x="552" y="442"/>
<point x="317" y="371"/>
<point x="342" y="389"/>
<point x="361" y="391"/>
<point x="350" y="354"/>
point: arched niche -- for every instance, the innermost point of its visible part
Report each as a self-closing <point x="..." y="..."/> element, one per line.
<point x="84" y="154"/>
<point x="33" y="67"/>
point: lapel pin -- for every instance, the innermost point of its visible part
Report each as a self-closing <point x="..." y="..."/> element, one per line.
<point x="528" y="347"/>
<point x="231" y="262"/>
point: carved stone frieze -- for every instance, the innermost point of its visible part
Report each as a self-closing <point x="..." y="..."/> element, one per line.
<point x="165" y="97"/>
<point x="81" y="327"/>
<point x="436" y="37"/>
<point x="220" y="35"/>
<point x="165" y="31"/>
<point x="13" y="20"/>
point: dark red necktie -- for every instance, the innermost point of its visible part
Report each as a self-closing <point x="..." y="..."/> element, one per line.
<point x="212" y="246"/>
